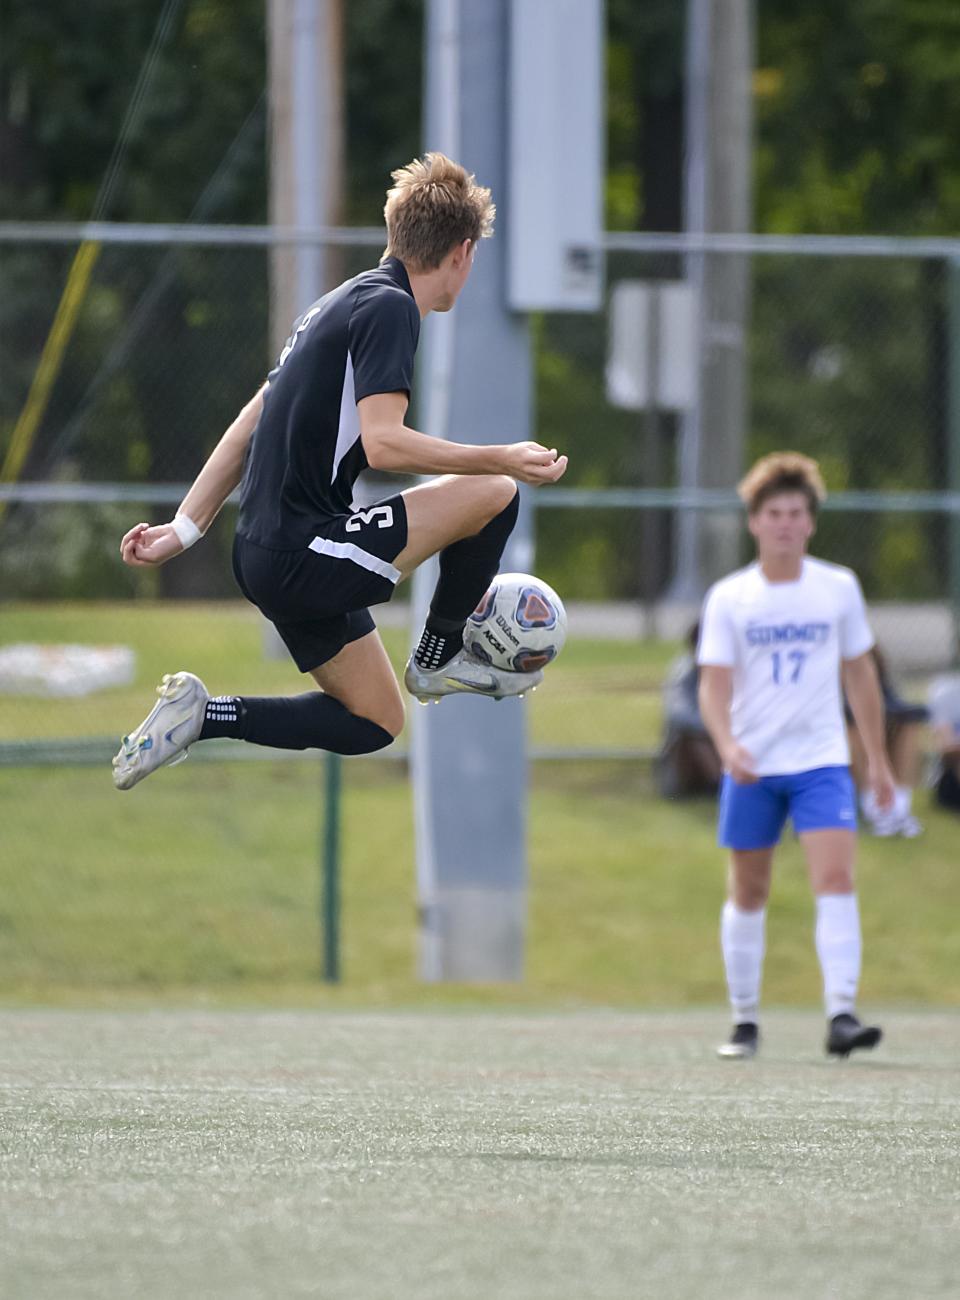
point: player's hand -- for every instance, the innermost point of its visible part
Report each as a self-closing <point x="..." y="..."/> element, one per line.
<point x="529" y="462"/>
<point x="882" y="782"/>
<point x="739" y="763"/>
<point x="145" y="545"/>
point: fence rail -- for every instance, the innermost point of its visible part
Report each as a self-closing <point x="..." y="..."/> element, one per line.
<point x="626" y="241"/>
<point x="556" y="498"/>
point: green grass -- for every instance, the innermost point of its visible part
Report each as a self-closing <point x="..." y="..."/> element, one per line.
<point x="204" y="882"/>
<point x="463" y="1157"/>
<point x="601" y="692"/>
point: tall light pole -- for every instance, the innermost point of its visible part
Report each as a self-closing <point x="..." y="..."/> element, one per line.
<point x="305" y="48"/>
<point x="306" y="130"/>
<point x="513" y="93"/>
<point x="717" y="199"/>
<point x="469" y="755"/>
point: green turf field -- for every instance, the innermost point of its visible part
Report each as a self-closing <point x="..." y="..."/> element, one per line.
<point x="457" y="1156"/>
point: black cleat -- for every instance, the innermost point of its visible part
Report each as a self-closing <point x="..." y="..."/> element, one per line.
<point x="743" y="1043"/>
<point x="846" y="1034"/>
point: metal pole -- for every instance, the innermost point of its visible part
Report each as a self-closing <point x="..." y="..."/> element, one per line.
<point x="469" y="756"/>
<point x="305" y="78"/>
<point x="306" y="149"/>
<point x="953" y="443"/>
<point x="686" y="581"/>
<point x="725" y="304"/>
<point x="330" y="885"/>
<point x="716" y="198"/>
<point x="651" y="538"/>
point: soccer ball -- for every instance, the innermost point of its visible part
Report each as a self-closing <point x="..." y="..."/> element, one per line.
<point x="519" y="625"/>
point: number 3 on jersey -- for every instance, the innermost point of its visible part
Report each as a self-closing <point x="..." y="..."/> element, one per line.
<point x="788" y="667"/>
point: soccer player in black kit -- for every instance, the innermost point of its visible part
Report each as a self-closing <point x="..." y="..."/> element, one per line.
<point x="334" y="404"/>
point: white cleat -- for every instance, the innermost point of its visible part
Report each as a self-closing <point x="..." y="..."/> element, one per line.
<point x="464" y="675"/>
<point x="164" y="736"/>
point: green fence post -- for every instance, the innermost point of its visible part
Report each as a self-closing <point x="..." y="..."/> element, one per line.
<point x="330" y="887"/>
<point x="953" y="442"/>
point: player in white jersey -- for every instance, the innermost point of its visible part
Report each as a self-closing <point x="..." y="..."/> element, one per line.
<point x="780" y="642"/>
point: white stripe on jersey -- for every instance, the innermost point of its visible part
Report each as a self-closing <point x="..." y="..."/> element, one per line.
<point x="347" y="551"/>
<point x="349" y="429"/>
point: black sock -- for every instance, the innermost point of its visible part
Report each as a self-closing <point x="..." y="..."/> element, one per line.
<point x="225" y="716"/>
<point x="310" y="721"/>
<point x="437" y="647"/>
<point x="467" y="568"/>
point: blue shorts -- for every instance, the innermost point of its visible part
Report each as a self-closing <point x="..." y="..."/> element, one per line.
<point x="753" y="816"/>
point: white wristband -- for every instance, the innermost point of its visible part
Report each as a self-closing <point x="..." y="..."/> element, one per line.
<point x="186" y="530"/>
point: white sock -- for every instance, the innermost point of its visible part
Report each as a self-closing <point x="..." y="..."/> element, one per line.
<point x="839" y="949"/>
<point x="742" y="941"/>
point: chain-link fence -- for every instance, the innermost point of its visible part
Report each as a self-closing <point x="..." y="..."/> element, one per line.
<point x="848" y="352"/>
<point x="848" y="355"/>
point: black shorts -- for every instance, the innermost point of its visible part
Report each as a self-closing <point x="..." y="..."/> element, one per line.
<point x="317" y="597"/>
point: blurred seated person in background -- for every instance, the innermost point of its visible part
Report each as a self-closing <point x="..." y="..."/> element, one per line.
<point x="944" y="697"/>
<point x="904" y="722"/>
<point x="687" y="763"/>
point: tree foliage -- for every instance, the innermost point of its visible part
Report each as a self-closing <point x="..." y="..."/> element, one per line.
<point x="856" y="114"/>
<point x="856" y="108"/>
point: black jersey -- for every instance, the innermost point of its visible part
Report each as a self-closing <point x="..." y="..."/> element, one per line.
<point x="306" y="452"/>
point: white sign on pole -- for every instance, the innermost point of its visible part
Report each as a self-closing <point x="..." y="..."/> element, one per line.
<point x="554" y="216"/>
<point x="628" y="346"/>
<point x="652" y="350"/>
<point x="677" y="350"/>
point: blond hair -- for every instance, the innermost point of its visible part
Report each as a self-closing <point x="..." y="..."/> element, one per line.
<point x="782" y="471"/>
<point x="434" y="205"/>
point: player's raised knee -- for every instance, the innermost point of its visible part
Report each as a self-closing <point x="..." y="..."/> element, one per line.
<point x="506" y="489"/>
<point x="499" y="491"/>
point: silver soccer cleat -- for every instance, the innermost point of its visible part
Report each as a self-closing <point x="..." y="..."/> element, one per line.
<point x="464" y="675"/>
<point x="164" y="736"/>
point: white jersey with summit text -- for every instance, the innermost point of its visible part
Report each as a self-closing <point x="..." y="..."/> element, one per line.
<point x="785" y="642"/>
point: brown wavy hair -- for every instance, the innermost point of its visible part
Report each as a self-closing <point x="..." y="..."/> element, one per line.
<point x="782" y="471"/>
